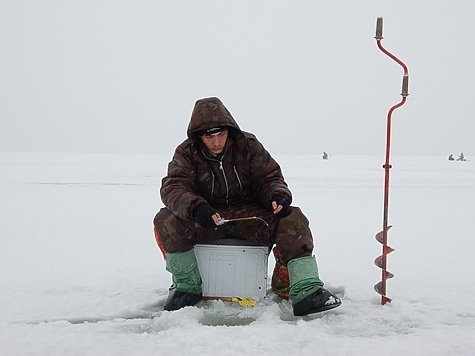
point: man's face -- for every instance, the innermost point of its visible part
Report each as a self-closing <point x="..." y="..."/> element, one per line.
<point x="215" y="142"/>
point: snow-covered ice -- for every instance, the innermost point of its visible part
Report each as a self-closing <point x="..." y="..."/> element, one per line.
<point x="80" y="273"/>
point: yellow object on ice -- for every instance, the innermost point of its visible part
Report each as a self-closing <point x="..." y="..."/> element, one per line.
<point x="244" y="302"/>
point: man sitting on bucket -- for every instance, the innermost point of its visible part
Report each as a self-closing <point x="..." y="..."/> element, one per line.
<point x="220" y="172"/>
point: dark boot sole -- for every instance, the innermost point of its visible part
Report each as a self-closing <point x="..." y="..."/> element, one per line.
<point x="319" y="310"/>
<point x="177" y="300"/>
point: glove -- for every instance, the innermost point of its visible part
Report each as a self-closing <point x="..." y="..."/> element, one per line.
<point x="286" y="209"/>
<point x="203" y="214"/>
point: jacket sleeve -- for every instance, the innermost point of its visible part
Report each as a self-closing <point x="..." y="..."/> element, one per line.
<point x="178" y="186"/>
<point x="266" y="176"/>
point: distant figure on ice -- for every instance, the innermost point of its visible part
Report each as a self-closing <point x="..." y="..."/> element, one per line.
<point x="325" y="155"/>
<point x="220" y="172"/>
<point x="461" y="157"/>
<point x="451" y="157"/>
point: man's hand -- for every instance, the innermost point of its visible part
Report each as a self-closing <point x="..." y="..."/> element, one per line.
<point x="281" y="207"/>
<point x="206" y="216"/>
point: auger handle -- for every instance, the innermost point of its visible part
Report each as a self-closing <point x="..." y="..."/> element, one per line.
<point x="405" y="85"/>
<point x="379" y="28"/>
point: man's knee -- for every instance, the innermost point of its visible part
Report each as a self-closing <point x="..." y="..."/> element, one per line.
<point x="176" y="235"/>
<point x="298" y="216"/>
<point x="293" y="236"/>
<point x="160" y="218"/>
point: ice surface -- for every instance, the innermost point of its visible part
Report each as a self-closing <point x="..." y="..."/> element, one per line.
<point x="80" y="273"/>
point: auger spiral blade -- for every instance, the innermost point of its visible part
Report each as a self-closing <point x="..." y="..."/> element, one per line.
<point x="380" y="235"/>
<point x="378" y="288"/>
<point x="381" y="262"/>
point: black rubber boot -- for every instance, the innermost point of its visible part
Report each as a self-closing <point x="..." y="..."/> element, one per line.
<point x="178" y="299"/>
<point x="316" y="302"/>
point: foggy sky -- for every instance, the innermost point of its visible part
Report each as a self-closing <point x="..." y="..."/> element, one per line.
<point x="304" y="76"/>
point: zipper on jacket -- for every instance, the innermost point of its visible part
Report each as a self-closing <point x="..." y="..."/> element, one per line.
<point x="239" y="180"/>
<point x="212" y="183"/>
<point x="225" y="180"/>
<point x="224" y="174"/>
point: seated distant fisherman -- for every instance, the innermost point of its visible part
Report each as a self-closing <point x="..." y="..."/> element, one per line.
<point x="461" y="157"/>
<point x="221" y="172"/>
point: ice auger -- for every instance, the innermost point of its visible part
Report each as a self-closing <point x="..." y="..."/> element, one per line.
<point x="382" y="236"/>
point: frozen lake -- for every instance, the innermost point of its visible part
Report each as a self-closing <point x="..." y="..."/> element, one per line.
<point x="80" y="273"/>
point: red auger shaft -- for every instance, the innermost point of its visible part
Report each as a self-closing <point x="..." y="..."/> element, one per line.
<point x="382" y="236"/>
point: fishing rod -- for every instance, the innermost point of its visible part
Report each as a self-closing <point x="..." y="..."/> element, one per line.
<point x="222" y="221"/>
